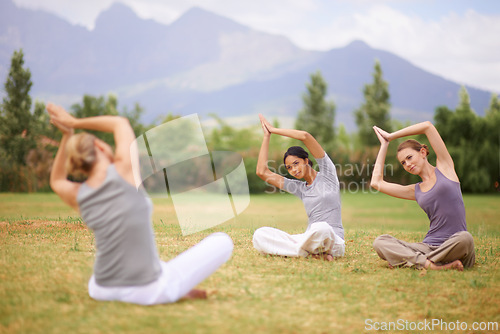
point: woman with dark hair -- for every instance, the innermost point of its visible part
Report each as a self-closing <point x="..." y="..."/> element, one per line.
<point x="447" y="244"/>
<point x="127" y="266"/>
<point x="320" y="193"/>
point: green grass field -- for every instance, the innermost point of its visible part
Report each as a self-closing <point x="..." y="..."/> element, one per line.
<point x="47" y="254"/>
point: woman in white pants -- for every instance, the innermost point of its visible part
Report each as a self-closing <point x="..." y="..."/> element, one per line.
<point x="127" y="266"/>
<point x="320" y="193"/>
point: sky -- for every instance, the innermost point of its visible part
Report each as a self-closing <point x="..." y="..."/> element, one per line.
<point x="456" y="39"/>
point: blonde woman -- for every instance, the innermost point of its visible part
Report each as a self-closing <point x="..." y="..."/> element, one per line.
<point x="447" y="244"/>
<point x="127" y="266"/>
<point x="319" y="191"/>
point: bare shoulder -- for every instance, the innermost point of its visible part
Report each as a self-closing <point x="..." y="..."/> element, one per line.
<point x="67" y="191"/>
<point x="448" y="171"/>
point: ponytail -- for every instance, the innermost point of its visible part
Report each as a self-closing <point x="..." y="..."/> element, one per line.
<point x="81" y="154"/>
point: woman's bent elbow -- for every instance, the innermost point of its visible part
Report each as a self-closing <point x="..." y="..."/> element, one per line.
<point x="428" y="125"/>
<point x="51" y="184"/>
<point x="55" y="185"/>
<point x="305" y="135"/>
<point x="261" y="173"/>
<point x="123" y="121"/>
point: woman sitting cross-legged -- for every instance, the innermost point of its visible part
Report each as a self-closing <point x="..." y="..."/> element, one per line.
<point x="447" y="244"/>
<point x="127" y="266"/>
<point x="320" y="193"/>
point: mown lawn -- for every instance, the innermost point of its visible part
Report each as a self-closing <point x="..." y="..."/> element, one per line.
<point x="47" y="253"/>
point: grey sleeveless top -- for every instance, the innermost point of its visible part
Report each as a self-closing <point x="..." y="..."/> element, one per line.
<point x="445" y="208"/>
<point x="322" y="198"/>
<point x="120" y="217"/>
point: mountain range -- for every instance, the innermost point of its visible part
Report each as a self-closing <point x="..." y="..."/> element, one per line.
<point x="205" y="63"/>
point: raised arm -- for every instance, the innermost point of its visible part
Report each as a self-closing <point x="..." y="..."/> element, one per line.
<point x="120" y="127"/>
<point x="312" y="145"/>
<point x="66" y="189"/>
<point x="444" y="162"/>
<point x="263" y="170"/>
<point x="378" y="182"/>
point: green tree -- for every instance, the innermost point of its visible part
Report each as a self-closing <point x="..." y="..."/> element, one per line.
<point x="492" y="134"/>
<point x="134" y="117"/>
<point x="472" y="142"/>
<point x="99" y="106"/>
<point x="245" y="141"/>
<point x="318" y="115"/>
<point x="494" y="108"/>
<point x="43" y="128"/>
<point x="26" y="137"/>
<point x="375" y="110"/>
<point x="16" y="119"/>
<point x="92" y="106"/>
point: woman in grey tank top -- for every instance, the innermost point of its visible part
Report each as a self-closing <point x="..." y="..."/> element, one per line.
<point x="447" y="244"/>
<point x="320" y="193"/>
<point x="127" y="266"/>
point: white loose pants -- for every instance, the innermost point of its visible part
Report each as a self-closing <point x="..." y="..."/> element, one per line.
<point x="179" y="275"/>
<point x="318" y="238"/>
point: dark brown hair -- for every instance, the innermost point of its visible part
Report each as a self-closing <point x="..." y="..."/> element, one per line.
<point x="298" y="152"/>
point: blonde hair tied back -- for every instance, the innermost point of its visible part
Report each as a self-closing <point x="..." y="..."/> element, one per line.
<point x="413" y="144"/>
<point x="81" y="154"/>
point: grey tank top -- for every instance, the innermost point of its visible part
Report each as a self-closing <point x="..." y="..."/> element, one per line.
<point x="445" y="208"/>
<point x="120" y="217"/>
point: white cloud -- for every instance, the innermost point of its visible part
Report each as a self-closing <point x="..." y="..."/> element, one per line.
<point x="464" y="48"/>
<point x="461" y="47"/>
<point x="81" y="13"/>
<point x="159" y="10"/>
<point x="271" y="16"/>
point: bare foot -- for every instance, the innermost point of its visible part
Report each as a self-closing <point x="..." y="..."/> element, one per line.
<point x="196" y="294"/>
<point x="455" y="265"/>
<point x="323" y="256"/>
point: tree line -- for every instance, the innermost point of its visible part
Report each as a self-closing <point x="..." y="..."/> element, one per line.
<point x="28" y="141"/>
